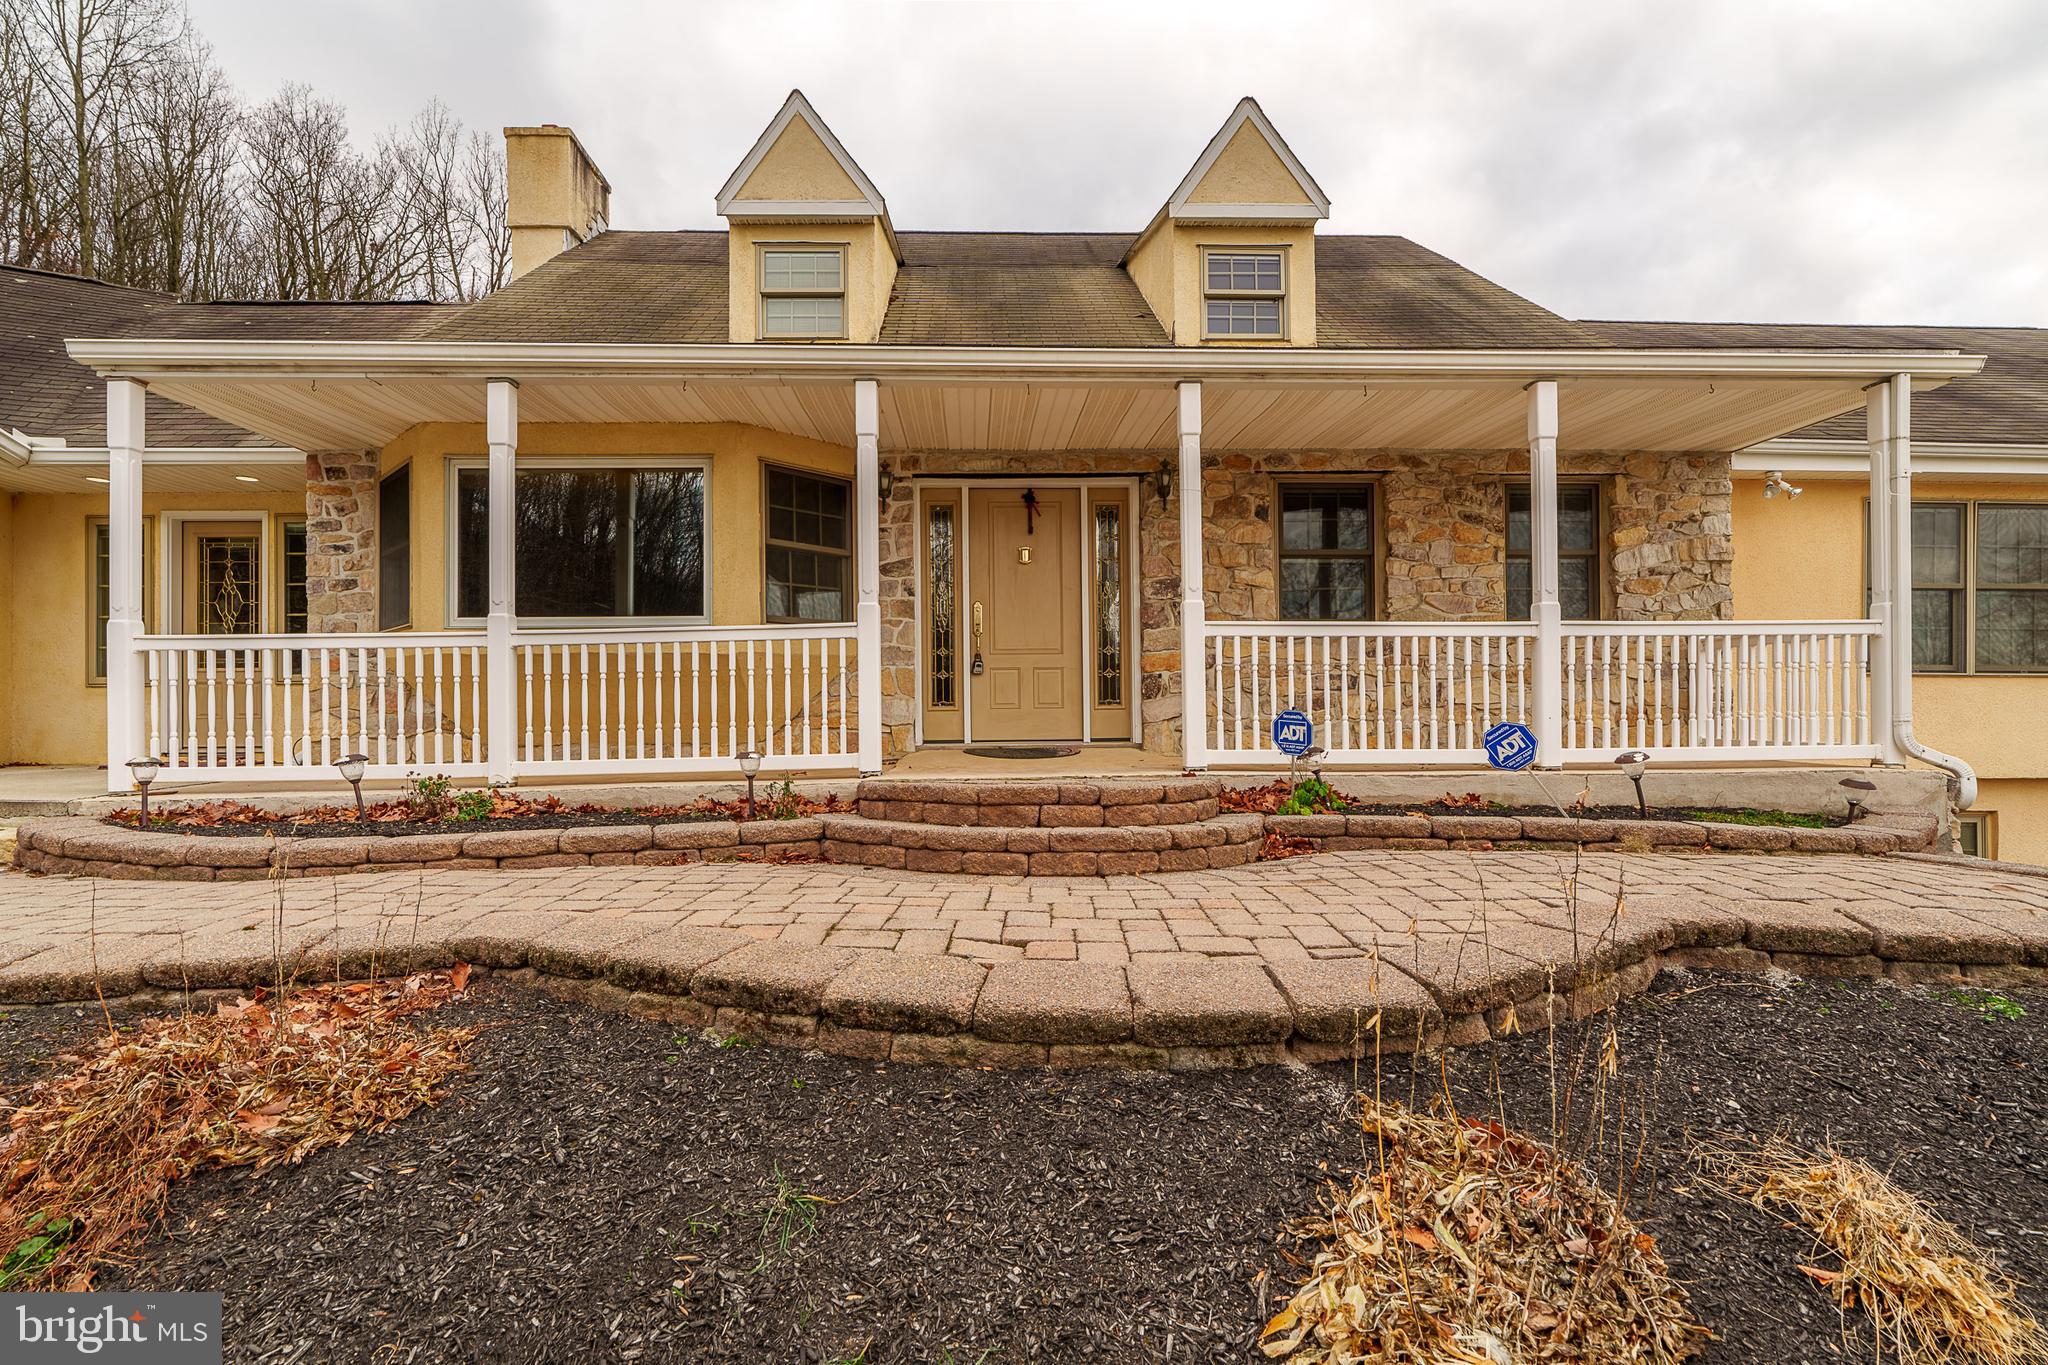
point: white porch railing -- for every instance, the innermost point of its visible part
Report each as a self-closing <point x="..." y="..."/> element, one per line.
<point x="1708" y="690"/>
<point x="684" y="700"/>
<point x="671" y="700"/>
<point x="247" y="706"/>
<point x="1426" y="692"/>
<point x="1383" y="691"/>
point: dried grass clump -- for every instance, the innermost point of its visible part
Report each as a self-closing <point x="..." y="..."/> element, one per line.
<point x="1931" y="1295"/>
<point x="1474" y="1244"/>
<point x="89" y="1156"/>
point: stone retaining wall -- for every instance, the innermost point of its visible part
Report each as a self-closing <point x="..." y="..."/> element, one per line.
<point x="1412" y="994"/>
<point x="1004" y="844"/>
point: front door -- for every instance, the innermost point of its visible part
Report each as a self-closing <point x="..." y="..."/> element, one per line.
<point x="221" y="578"/>
<point x="1023" y="614"/>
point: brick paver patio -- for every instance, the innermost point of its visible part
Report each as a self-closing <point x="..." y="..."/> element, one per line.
<point x="1255" y="963"/>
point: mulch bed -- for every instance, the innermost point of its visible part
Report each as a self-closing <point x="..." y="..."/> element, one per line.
<point x="599" y="1188"/>
<point x="1267" y="800"/>
<point x="508" y="812"/>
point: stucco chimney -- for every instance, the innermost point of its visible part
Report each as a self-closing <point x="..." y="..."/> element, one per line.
<point x="555" y="196"/>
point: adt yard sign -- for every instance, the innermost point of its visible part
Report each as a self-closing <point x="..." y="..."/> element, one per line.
<point x="1292" y="733"/>
<point x="1510" y="746"/>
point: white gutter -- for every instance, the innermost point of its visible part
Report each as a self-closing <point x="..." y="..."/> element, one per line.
<point x="302" y="359"/>
<point x="13" y="449"/>
<point x="1895" y="411"/>
<point x="1954" y="459"/>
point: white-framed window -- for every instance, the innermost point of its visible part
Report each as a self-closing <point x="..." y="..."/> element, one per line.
<point x="803" y="292"/>
<point x="1244" y="293"/>
<point x="1976" y="835"/>
<point x="593" y="540"/>
<point x="1980" y="587"/>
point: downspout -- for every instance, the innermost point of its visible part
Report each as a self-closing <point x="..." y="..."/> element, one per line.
<point x="1899" y="450"/>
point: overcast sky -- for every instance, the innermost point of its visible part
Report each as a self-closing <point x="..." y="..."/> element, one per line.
<point x="1861" y="161"/>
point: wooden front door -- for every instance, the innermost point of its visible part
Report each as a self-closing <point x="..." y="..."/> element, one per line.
<point x="221" y="579"/>
<point x="1023" y="613"/>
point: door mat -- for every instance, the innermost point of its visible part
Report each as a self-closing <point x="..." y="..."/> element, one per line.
<point x="1023" y="751"/>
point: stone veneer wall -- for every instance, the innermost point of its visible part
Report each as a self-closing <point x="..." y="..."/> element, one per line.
<point x="341" y="542"/>
<point x="1443" y="522"/>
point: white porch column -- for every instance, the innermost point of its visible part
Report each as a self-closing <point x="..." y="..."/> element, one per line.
<point x="1898" y="399"/>
<point x="501" y="434"/>
<point x="1877" y="418"/>
<point x="126" y="438"/>
<point x="1543" y="605"/>
<point x="1194" y="709"/>
<point x="867" y="613"/>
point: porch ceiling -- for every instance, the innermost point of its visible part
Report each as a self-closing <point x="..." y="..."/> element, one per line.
<point x="1030" y="401"/>
<point x="229" y="471"/>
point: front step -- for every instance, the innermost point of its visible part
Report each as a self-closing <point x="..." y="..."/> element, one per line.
<point x="1098" y="828"/>
<point x="1057" y="805"/>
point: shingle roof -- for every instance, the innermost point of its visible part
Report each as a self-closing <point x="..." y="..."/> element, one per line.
<point x="267" y="320"/>
<point x="1017" y="289"/>
<point x="2006" y="403"/>
<point x="667" y="287"/>
<point x="43" y="392"/>
<point x="1387" y="293"/>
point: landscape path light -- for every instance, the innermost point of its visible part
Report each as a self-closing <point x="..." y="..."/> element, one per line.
<point x="350" y="766"/>
<point x="144" y="771"/>
<point x="1859" y="789"/>
<point x="1632" y="764"/>
<point x="750" y="764"/>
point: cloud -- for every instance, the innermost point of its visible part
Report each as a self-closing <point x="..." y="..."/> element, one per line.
<point x="1881" y="161"/>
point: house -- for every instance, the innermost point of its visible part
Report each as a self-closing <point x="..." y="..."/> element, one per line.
<point x="830" y="492"/>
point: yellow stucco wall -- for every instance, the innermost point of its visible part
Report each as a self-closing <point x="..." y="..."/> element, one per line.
<point x="1167" y="268"/>
<point x="799" y="166"/>
<point x="870" y="272"/>
<point x="733" y="490"/>
<point x="1802" y="559"/>
<point x="7" y="627"/>
<point x="62" y="717"/>
<point x="1248" y="171"/>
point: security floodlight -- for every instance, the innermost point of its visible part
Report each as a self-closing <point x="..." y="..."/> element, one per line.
<point x="750" y="764"/>
<point x="1632" y="764"/>
<point x="350" y="766"/>
<point x="1859" y="789"/>
<point x="144" y="771"/>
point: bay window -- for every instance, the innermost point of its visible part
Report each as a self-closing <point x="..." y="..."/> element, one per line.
<point x="592" y="541"/>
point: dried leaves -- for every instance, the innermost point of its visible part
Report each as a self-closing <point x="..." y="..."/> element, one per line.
<point x="1931" y="1295"/>
<point x="505" y="805"/>
<point x="89" y="1156"/>
<point x="1473" y="1244"/>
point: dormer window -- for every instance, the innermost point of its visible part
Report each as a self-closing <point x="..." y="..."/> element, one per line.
<point x="803" y="292"/>
<point x="1244" y="294"/>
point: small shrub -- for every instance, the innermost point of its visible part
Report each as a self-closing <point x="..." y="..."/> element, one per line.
<point x="429" y="794"/>
<point x="472" y="805"/>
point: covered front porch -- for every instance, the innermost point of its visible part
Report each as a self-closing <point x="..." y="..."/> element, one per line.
<point x="1170" y="459"/>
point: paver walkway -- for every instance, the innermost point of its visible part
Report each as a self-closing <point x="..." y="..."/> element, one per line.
<point x="1332" y="905"/>
<point x="1272" y="961"/>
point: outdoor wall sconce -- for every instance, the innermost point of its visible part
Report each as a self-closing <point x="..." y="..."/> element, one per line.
<point x="1859" y="789"/>
<point x="1632" y="765"/>
<point x="1162" y="480"/>
<point x="750" y="764"/>
<point x="885" y="482"/>
<point x="144" y="771"/>
<point x="350" y="766"/>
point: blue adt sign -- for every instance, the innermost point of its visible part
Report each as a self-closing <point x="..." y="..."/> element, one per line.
<point x="1292" y="733"/>
<point x="1510" y="746"/>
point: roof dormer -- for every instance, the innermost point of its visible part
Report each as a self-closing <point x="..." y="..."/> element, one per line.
<point x="811" y="253"/>
<point x="1230" y="258"/>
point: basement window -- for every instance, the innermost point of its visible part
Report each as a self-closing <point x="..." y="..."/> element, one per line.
<point x="803" y="293"/>
<point x="1243" y="293"/>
